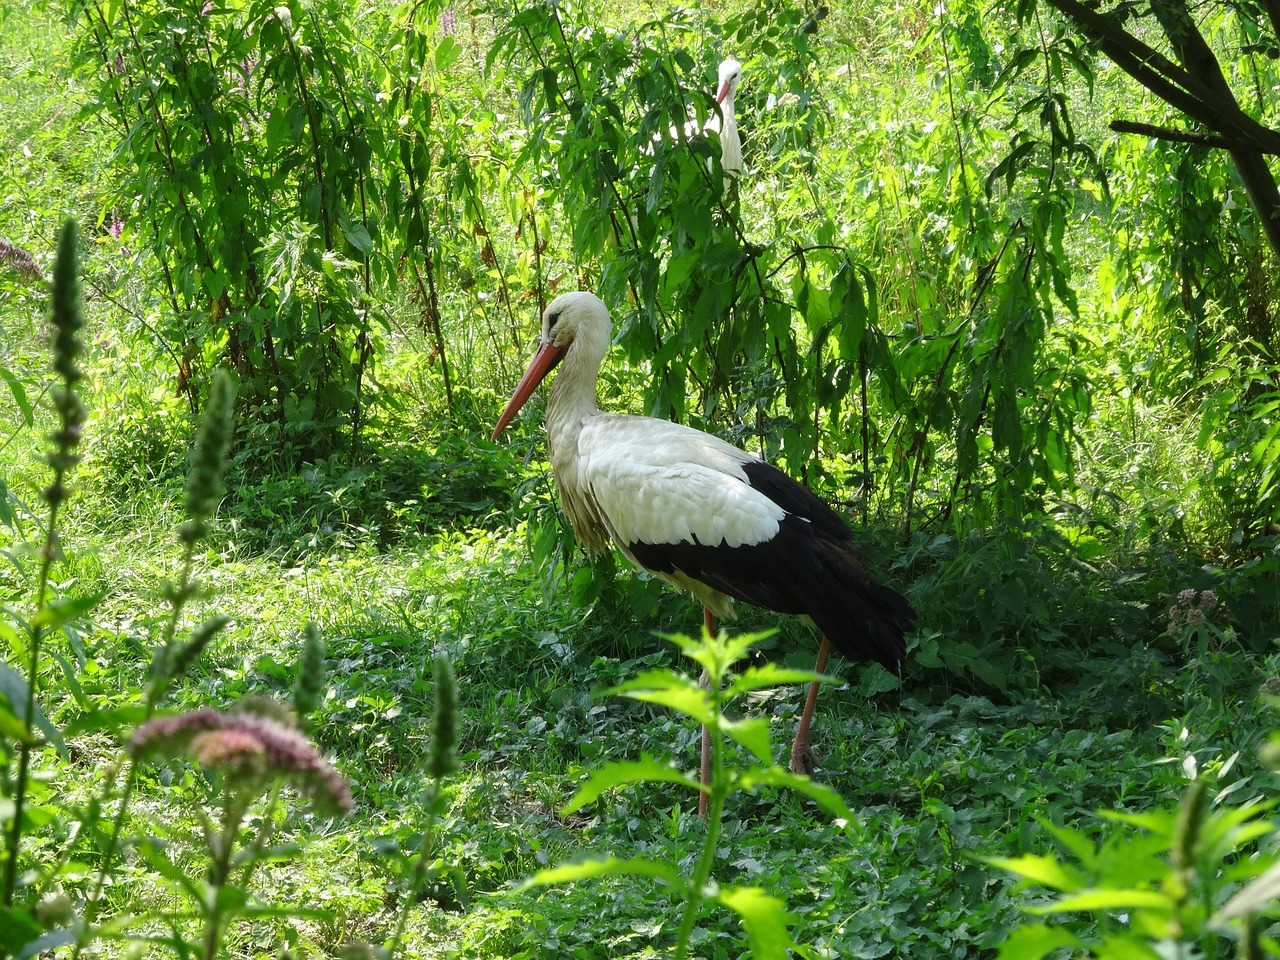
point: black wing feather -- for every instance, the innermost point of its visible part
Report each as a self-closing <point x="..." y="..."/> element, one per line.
<point x="809" y="567"/>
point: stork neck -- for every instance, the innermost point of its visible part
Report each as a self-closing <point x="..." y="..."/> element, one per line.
<point x="572" y="397"/>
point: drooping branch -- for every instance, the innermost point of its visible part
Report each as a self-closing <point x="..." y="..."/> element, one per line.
<point x="1197" y="87"/>
<point x="1157" y="132"/>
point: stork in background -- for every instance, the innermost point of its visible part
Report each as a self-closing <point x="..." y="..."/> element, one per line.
<point x="698" y="512"/>
<point x="730" y="143"/>
<point x="723" y="124"/>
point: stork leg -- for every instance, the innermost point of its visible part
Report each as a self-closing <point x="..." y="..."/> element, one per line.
<point x="703" y="798"/>
<point x="801" y="757"/>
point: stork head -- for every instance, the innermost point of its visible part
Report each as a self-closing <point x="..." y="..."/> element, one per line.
<point x="570" y="318"/>
<point x="730" y="74"/>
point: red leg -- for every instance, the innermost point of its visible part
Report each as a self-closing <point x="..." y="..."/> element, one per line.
<point x="703" y="798"/>
<point x="801" y="758"/>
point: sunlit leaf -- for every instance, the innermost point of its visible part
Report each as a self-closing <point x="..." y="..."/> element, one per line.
<point x="1042" y="870"/>
<point x="752" y="733"/>
<point x="1107" y="899"/>
<point x="820" y="793"/>
<point x="764" y="917"/>
<point x="608" y="867"/>
<point x="625" y="772"/>
<point x="671" y="690"/>
<point x="1035" y="941"/>
<point x="770" y="675"/>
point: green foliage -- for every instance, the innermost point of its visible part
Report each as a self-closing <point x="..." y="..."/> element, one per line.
<point x="1161" y="883"/>
<point x="245" y="756"/>
<point x="763" y="917"/>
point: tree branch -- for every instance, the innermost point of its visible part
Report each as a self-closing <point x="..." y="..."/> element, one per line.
<point x="1184" y="136"/>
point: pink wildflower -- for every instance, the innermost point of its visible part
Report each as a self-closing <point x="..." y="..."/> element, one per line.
<point x="18" y="259"/>
<point x="250" y="743"/>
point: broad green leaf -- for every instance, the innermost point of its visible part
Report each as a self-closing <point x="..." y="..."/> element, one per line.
<point x="608" y="867"/>
<point x="14" y="686"/>
<point x="1035" y="941"/>
<point x="764" y="917"/>
<point x="1043" y="870"/>
<point x="612" y="775"/>
<point x="1103" y="898"/>
<point x="821" y="794"/>
<point x="17" y="929"/>
<point x="770" y="675"/>
<point x="752" y="733"/>
<point x="447" y="51"/>
<point x="19" y="395"/>
<point x="63" y="610"/>
<point x="1119" y="947"/>
<point x="669" y="690"/>
<point x="359" y="238"/>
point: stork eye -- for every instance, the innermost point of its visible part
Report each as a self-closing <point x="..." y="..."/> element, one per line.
<point x="551" y="320"/>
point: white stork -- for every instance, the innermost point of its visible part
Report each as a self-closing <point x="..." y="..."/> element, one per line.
<point x="698" y="512"/>
<point x="727" y="131"/>
<point x="730" y="144"/>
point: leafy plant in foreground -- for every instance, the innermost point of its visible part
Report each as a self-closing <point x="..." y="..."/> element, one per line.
<point x="764" y="917"/>
<point x="20" y="713"/>
<point x="246" y="754"/>
<point x="1184" y="883"/>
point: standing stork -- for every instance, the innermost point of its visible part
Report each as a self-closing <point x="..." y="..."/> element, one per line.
<point x="723" y="124"/>
<point x="730" y="143"/>
<point x="700" y="513"/>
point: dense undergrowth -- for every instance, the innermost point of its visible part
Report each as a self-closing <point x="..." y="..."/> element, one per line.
<point x="1100" y="650"/>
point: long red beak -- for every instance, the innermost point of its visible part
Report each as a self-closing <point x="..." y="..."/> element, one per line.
<point x="543" y="362"/>
<point x="724" y="92"/>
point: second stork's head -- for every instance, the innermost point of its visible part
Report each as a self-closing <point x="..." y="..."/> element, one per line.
<point x="730" y="74"/>
<point x="577" y="322"/>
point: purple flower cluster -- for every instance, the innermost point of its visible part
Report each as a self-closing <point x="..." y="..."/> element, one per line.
<point x="250" y="745"/>
<point x="448" y="21"/>
<point x="1191" y="609"/>
<point x="14" y="257"/>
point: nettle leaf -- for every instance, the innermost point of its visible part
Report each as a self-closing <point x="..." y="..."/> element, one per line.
<point x="771" y="675"/>
<point x="1104" y="898"/>
<point x="669" y="689"/>
<point x="1035" y="941"/>
<point x="624" y="772"/>
<point x="608" y="867"/>
<point x="764" y="917"/>
<point x="752" y="733"/>
<point x="821" y="794"/>
<point x="1043" y="870"/>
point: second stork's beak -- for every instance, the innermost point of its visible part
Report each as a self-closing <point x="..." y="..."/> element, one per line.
<point x="543" y="362"/>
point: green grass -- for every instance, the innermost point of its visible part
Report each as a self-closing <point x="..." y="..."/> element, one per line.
<point x="936" y="782"/>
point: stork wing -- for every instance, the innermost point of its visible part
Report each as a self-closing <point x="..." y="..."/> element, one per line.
<point x="657" y="482"/>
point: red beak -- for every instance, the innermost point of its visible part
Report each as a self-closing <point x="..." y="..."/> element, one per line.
<point x="543" y="362"/>
<point x="724" y="92"/>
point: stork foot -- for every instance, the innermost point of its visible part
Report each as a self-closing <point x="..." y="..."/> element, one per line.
<point x="803" y="762"/>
